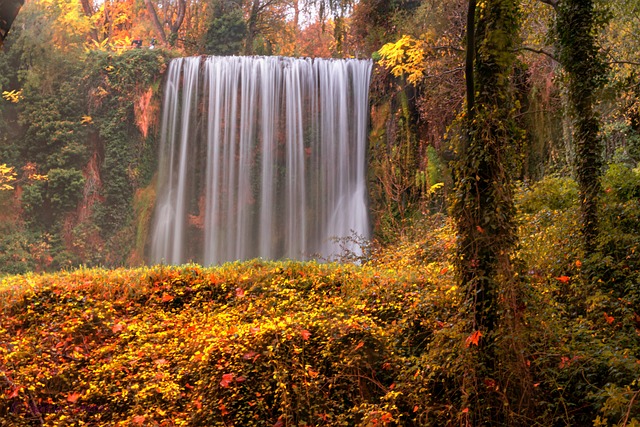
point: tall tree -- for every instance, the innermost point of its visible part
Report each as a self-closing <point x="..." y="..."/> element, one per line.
<point x="173" y="13"/>
<point x="227" y="29"/>
<point x="483" y="206"/>
<point x="577" y="25"/>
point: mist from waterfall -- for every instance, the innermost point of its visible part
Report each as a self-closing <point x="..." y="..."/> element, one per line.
<point x="261" y="157"/>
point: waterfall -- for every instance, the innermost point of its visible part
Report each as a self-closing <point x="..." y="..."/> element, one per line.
<point x="261" y="157"/>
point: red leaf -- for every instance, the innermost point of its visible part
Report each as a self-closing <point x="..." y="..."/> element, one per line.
<point x="490" y="383"/>
<point x="444" y="270"/>
<point x="250" y="355"/>
<point x="160" y="362"/>
<point x="14" y="392"/>
<point x="564" y="279"/>
<point x="239" y="293"/>
<point x="73" y="397"/>
<point x="166" y="297"/>
<point x="386" y="417"/>
<point x="223" y="409"/>
<point x="279" y="423"/>
<point x="305" y="334"/>
<point x="226" y="380"/>
<point x="139" y="419"/>
<point x="474" y="338"/>
<point x="608" y="318"/>
<point x="465" y="410"/>
<point x="480" y="229"/>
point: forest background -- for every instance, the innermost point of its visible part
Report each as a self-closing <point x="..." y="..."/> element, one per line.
<point x="78" y="138"/>
<point x="79" y="112"/>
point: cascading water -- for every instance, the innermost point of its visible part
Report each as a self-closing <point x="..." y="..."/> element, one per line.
<point x="261" y="157"/>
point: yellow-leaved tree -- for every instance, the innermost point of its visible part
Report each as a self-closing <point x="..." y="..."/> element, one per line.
<point x="7" y="176"/>
<point x="406" y="57"/>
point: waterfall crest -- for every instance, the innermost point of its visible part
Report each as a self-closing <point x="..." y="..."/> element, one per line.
<point x="261" y="157"/>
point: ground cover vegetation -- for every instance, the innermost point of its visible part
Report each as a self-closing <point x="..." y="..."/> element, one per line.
<point x="502" y="284"/>
<point x="288" y="343"/>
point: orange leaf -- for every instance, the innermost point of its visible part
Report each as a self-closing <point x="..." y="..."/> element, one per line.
<point x="474" y="338"/>
<point x="465" y="410"/>
<point x="608" y="318"/>
<point x="226" y="380"/>
<point x="415" y="408"/>
<point x="223" y="409"/>
<point x="480" y="229"/>
<point x="564" y="279"/>
<point x="578" y="263"/>
<point x="118" y="327"/>
<point x="14" y="392"/>
<point x="444" y="270"/>
<point x="305" y="334"/>
<point x="139" y="419"/>
<point x="166" y="297"/>
<point x="359" y="345"/>
<point x="73" y="397"/>
<point x="312" y="373"/>
<point x="160" y="362"/>
<point x="239" y="293"/>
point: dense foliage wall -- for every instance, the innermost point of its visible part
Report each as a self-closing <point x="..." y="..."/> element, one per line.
<point x="83" y="144"/>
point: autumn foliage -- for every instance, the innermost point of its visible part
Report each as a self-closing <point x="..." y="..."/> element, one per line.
<point x="255" y="343"/>
<point x="385" y="343"/>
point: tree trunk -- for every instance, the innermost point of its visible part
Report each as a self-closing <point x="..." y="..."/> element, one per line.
<point x="87" y="8"/>
<point x="252" y="27"/>
<point x="156" y="22"/>
<point x="579" y="54"/>
<point x="483" y="207"/>
<point x="175" y="26"/>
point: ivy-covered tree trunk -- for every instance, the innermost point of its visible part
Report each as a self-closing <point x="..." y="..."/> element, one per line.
<point x="577" y="24"/>
<point x="483" y="207"/>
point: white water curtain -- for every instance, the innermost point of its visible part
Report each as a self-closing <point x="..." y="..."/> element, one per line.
<point x="261" y="157"/>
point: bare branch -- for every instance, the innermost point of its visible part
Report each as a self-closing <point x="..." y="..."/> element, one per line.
<point x="623" y="63"/>
<point x="541" y="51"/>
<point x="444" y="73"/>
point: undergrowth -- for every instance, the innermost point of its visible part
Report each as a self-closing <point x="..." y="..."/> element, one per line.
<point x="382" y="343"/>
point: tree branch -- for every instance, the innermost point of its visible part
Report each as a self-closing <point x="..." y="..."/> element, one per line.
<point x="541" y="51"/>
<point x="623" y="63"/>
<point x="444" y="73"/>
